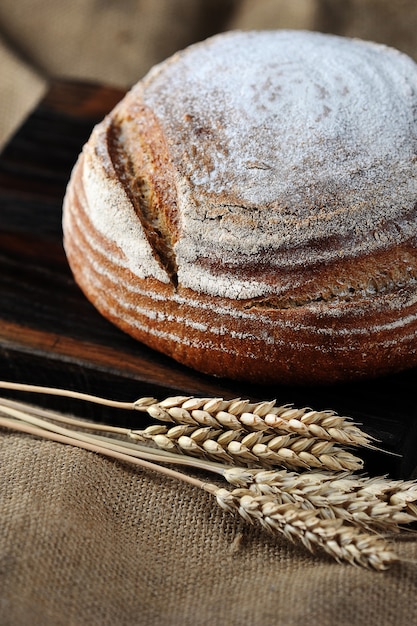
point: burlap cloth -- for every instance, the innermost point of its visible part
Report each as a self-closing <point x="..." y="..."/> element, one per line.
<point x="88" y="541"/>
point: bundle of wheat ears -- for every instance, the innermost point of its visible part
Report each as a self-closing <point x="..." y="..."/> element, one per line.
<point x="291" y="470"/>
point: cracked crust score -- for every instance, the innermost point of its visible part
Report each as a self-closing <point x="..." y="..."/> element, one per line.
<point x="250" y="209"/>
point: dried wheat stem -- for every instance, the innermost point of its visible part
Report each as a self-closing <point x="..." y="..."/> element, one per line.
<point x="30" y="429"/>
<point x="333" y="497"/>
<point x="225" y="447"/>
<point x="134" y="450"/>
<point x="67" y="393"/>
<point x="231" y="446"/>
<point x="59" y="417"/>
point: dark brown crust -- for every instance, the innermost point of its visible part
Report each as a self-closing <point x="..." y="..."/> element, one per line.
<point x="267" y="345"/>
<point x="317" y="283"/>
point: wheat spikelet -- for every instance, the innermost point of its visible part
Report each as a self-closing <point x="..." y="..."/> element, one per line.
<point x="257" y="448"/>
<point x="370" y="514"/>
<point x="341" y="541"/>
<point x="372" y="503"/>
<point x="261" y="416"/>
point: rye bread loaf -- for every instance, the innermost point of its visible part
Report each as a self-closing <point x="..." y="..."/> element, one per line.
<point x="249" y="208"/>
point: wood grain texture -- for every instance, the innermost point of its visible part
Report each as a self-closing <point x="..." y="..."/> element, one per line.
<point x="50" y="334"/>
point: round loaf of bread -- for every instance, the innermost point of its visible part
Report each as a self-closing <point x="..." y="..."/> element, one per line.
<point x="249" y="208"/>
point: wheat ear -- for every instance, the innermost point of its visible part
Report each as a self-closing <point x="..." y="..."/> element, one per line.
<point x="234" y="414"/>
<point x="341" y="541"/>
<point x="339" y="486"/>
<point x="258" y="448"/>
<point x="372" y="503"/>
<point x="261" y="416"/>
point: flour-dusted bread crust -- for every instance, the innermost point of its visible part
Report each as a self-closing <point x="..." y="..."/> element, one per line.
<point x="249" y="208"/>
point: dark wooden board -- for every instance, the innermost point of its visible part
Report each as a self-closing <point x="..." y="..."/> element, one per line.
<point x="51" y="335"/>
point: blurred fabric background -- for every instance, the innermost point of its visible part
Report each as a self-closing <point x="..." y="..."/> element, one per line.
<point x="116" y="41"/>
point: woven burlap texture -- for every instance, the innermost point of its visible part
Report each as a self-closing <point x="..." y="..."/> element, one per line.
<point x="89" y="541"/>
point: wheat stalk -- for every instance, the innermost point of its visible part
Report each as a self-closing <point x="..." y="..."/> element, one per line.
<point x="233" y="414"/>
<point x="254" y="434"/>
<point x="371" y="503"/>
<point x="325" y="508"/>
<point x="342" y="542"/>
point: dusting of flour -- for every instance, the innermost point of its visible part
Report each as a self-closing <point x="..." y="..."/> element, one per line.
<point x="282" y="138"/>
<point x="289" y="148"/>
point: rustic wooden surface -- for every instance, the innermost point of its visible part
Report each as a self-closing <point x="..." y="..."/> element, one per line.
<point x="50" y="334"/>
